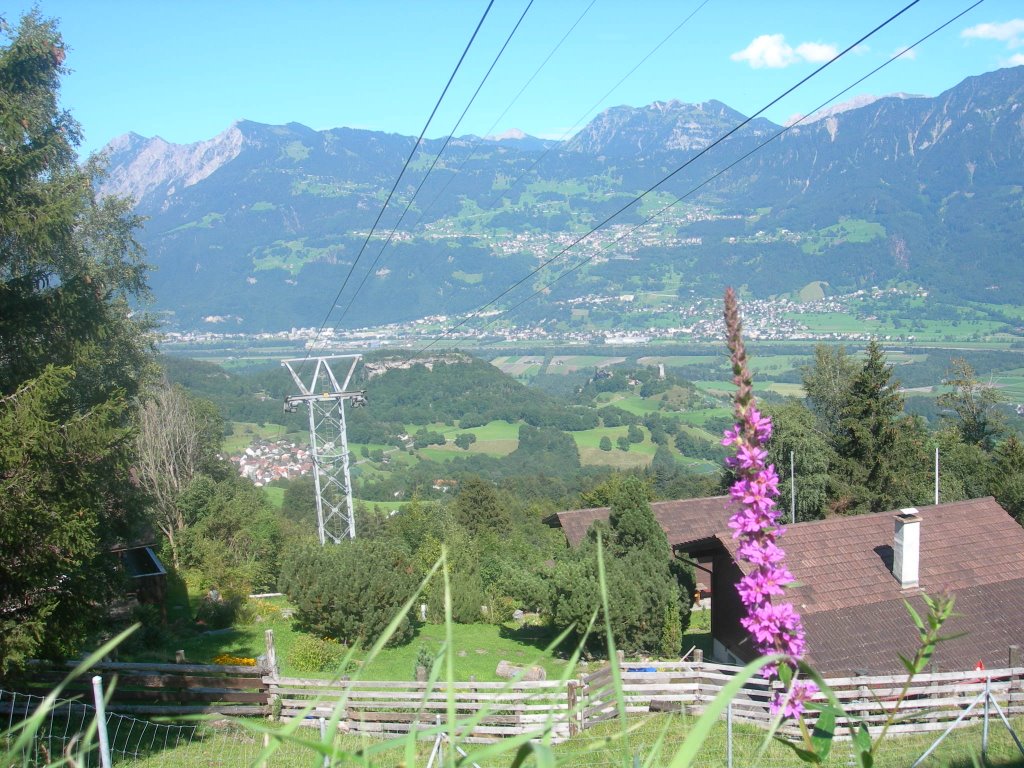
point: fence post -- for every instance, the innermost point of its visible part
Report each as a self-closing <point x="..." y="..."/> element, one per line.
<point x="101" y="720"/>
<point x="272" y="671"/>
<point x="984" y="728"/>
<point x="323" y="739"/>
<point x="268" y="639"/>
<point x="571" y="700"/>
<point x="698" y="662"/>
<point x="1014" y="663"/>
<point x="728" y="735"/>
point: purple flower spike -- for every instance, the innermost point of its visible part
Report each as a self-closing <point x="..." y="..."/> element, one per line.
<point x="776" y="628"/>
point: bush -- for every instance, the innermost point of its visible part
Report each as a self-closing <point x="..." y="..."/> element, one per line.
<point x="499" y="608"/>
<point x="223" y="613"/>
<point x="350" y="590"/>
<point x="310" y="654"/>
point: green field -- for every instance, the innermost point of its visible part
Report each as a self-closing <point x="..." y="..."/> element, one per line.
<point x="573" y="363"/>
<point x="519" y="366"/>
<point x="633" y="403"/>
<point x="243" y="433"/>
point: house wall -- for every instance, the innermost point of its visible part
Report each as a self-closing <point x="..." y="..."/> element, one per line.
<point x="726" y="610"/>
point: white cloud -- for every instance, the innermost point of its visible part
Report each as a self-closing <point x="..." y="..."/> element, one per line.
<point x="1016" y="60"/>
<point x="816" y="52"/>
<point x="767" y="51"/>
<point x="909" y="55"/>
<point x="1009" y="32"/>
<point x="773" y="52"/>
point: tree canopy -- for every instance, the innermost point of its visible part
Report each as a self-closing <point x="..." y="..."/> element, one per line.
<point x="73" y="357"/>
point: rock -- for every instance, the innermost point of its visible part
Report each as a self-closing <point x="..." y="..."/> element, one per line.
<point x="519" y="614"/>
<point x="536" y="673"/>
<point x="506" y="670"/>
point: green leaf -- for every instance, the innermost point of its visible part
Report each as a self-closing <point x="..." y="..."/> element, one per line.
<point x="916" y="617"/>
<point x="862" y="739"/>
<point x="804" y="754"/>
<point x="824" y="732"/>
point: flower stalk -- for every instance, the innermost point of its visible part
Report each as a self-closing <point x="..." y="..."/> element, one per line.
<point x="774" y="625"/>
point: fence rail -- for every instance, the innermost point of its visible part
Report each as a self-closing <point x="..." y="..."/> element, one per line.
<point x="490" y="711"/>
<point x="154" y="690"/>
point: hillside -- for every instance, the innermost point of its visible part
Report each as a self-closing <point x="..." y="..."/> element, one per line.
<point x="252" y="230"/>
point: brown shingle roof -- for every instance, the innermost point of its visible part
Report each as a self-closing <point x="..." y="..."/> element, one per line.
<point x="685" y="521"/>
<point x="853" y="606"/>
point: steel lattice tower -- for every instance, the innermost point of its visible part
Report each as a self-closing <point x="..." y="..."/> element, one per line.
<point x="326" y="398"/>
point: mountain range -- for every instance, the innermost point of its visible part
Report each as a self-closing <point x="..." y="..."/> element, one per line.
<point x="258" y="228"/>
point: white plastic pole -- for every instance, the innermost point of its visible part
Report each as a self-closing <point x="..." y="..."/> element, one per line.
<point x="936" y="475"/>
<point x="792" y="489"/>
<point x="101" y="720"/>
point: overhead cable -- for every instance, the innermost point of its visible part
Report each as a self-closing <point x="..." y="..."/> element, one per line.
<point x="674" y="172"/>
<point x="401" y="173"/>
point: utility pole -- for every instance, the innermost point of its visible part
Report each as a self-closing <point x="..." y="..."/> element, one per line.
<point x="325" y="397"/>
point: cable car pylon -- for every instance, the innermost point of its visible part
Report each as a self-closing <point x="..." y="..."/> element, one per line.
<point x="325" y="397"/>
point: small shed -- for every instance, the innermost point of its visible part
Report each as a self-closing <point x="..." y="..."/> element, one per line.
<point x="145" y="571"/>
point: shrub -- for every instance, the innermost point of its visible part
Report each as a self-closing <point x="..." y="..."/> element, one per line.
<point x="221" y="614"/>
<point x="350" y="590"/>
<point x="500" y="608"/>
<point x="310" y="654"/>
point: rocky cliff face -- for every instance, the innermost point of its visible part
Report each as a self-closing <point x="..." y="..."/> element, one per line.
<point x="664" y="126"/>
<point x="143" y="169"/>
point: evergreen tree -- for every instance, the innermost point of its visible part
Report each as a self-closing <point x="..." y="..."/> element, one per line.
<point x="869" y="436"/>
<point x="477" y="507"/>
<point x="68" y="268"/>
<point x="1008" y="477"/>
<point x="349" y="591"/>
<point x="644" y="600"/>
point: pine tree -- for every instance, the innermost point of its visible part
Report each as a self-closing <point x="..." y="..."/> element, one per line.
<point x="869" y="436"/>
<point x="68" y="268"/>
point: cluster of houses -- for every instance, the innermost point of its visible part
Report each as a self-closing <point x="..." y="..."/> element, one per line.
<point x="267" y="460"/>
<point x="854" y="577"/>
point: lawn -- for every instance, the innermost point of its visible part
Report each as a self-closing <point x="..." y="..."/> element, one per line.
<point x="573" y="363"/>
<point x="478" y="647"/>
<point x="243" y="433"/>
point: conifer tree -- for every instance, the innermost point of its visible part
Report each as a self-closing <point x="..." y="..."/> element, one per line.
<point x="868" y="437"/>
<point x="73" y="357"/>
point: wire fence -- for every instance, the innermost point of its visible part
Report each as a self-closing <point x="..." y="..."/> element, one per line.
<point x="69" y="733"/>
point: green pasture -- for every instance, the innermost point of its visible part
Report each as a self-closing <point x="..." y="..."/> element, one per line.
<point x="678" y="361"/>
<point x="519" y="366"/>
<point x="573" y="363"/>
<point x="243" y="433"/>
<point x="833" y="322"/>
<point x="700" y="417"/>
<point x="633" y="403"/>
<point x="478" y="647"/>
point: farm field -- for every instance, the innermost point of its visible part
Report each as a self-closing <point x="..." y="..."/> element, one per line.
<point x="573" y="363"/>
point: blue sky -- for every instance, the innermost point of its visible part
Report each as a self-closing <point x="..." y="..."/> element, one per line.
<point x="186" y="70"/>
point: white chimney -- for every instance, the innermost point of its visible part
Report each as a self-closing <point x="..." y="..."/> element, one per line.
<point x="906" y="548"/>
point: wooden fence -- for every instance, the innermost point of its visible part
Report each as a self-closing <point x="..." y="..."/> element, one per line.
<point x="484" y="711"/>
<point x="933" y="702"/>
<point x="151" y="690"/>
<point x="487" y="711"/>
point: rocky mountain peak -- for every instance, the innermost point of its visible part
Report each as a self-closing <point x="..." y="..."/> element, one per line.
<point x="141" y="168"/>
